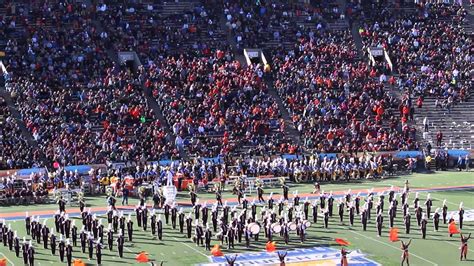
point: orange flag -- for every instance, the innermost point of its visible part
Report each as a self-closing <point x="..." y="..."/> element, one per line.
<point x="216" y="251"/>
<point x="393" y="234"/>
<point x="79" y="262"/>
<point x="3" y="262"/>
<point x="342" y="242"/>
<point x="452" y="228"/>
<point x="270" y="246"/>
<point x="142" y="257"/>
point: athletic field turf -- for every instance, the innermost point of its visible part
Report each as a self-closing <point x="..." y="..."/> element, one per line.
<point x="176" y="249"/>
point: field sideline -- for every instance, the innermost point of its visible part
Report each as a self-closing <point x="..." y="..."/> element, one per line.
<point x="175" y="249"/>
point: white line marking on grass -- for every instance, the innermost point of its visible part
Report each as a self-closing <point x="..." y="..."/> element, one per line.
<point x="189" y="246"/>
<point x="9" y="261"/>
<point x="449" y="202"/>
<point x="452" y="244"/>
<point x="411" y="253"/>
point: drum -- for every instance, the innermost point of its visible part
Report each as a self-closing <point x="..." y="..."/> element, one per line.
<point x="254" y="228"/>
<point x="276" y="228"/>
<point x="291" y="226"/>
<point x="307" y="223"/>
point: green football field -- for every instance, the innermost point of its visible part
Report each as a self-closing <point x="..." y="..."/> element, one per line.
<point x="176" y="249"/>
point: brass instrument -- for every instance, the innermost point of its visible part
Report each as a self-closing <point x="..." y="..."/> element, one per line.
<point x="282" y="180"/>
<point x="191" y="186"/>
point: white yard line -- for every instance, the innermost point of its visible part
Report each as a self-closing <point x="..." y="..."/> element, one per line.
<point x="189" y="246"/>
<point x="9" y="261"/>
<point x="452" y="244"/>
<point x="378" y="241"/>
<point x="441" y="200"/>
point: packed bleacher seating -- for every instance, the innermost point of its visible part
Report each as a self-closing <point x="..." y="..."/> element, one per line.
<point x="335" y="101"/>
<point x="15" y="151"/>
<point x="273" y="24"/>
<point x="430" y="50"/>
<point x="82" y="107"/>
<point x="77" y="104"/>
<point x="215" y="106"/>
<point x="151" y="32"/>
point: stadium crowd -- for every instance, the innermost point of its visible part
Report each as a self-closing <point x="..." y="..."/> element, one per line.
<point x="430" y="49"/>
<point x="82" y="107"/>
<point x="269" y="24"/>
<point x="15" y="151"/>
<point x="337" y="102"/>
<point x="214" y="105"/>
<point x="144" y="29"/>
<point x="78" y="105"/>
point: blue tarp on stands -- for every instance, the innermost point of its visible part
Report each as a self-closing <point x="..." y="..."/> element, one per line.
<point x="213" y="159"/>
<point x="328" y="155"/>
<point x="166" y="162"/>
<point x="81" y="169"/>
<point x="411" y="154"/>
<point x="457" y="153"/>
<point x="296" y="157"/>
<point x="408" y="154"/>
<point x="290" y="156"/>
<point x="29" y="171"/>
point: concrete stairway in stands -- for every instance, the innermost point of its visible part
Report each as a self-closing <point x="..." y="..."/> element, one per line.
<point x="177" y="7"/>
<point x="290" y="129"/>
<point x="457" y="126"/>
<point x="168" y="8"/>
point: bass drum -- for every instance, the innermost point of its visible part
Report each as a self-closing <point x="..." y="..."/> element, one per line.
<point x="307" y="223"/>
<point x="291" y="226"/>
<point x="254" y="228"/>
<point x="276" y="228"/>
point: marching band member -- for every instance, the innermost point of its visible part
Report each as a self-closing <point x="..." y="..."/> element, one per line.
<point x="159" y="227"/>
<point x="436" y="220"/>
<point x="445" y="211"/>
<point x="330" y="204"/>
<point x="174" y="214"/>
<point x="130" y="227"/>
<point x="110" y="237"/>
<point x="407" y="221"/>
<point x="428" y="204"/>
<point x="379" y="221"/>
<point x="315" y="211"/>
<point x="424" y="222"/>
<point x="341" y="211"/>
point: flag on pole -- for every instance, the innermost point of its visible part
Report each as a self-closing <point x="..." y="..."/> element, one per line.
<point x="216" y="251"/>
<point x="393" y="234"/>
<point x="270" y="246"/>
<point x="79" y="262"/>
<point x="142" y="257"/>
<point x="452" y="228"/>
<point x="342" y="242"/>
